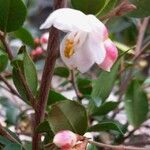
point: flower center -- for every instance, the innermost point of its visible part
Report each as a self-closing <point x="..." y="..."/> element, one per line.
<point x="69" y="48"/>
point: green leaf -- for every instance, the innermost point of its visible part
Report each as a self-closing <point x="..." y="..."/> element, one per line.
<point x="13" y="146"/>
<point x="143" y="8"/>
<point x="84" y="85"/>
<point x="8" y="145"/>
<point x="105" y="108"/>
<point x="136" y="104"/>
<point x="11" y="110"/>
<point x="3" y="60"/>
<point x="124" y="48"/>
<point x="106" y="126"/>
<point x="109" y="4"/>
<point x="12" y="15"/>
<point x="68" y="115"/>
<point x="24" y="63"/>
<point x="104" y="84"/>
<point x="92" y="147"/>
<point x="44" y="127"/>
<point x="24" y="35"/>
<point x="18" y="84"/>
<point x="88" y="6"/>
<point x="30" y="72"/>
<point x="62" y="72"/>
<point x="12" y="114"/>
<point x="54" y="97"/>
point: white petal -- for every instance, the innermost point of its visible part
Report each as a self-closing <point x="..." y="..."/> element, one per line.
<point x="67" y="19"/>
<point x="98" y="26"/>
<point x="96" y="46"/>
<point x="82" y="59"/>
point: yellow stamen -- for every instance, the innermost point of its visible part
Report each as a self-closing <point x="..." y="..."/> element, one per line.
<point x="69" y="50"/>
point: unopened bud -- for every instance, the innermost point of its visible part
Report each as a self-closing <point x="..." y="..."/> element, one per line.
<point x="37" y="41"/>
<point x="125" y="7"/>
<point x="39" y="50"/>
<point x="65" y="139"/>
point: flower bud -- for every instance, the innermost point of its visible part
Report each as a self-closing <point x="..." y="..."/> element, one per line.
<point x="65" y="139"/>
<point x="125" y="7"/>
<point x="39" y="51"/>
<point x="111" y="55"/>
<point x="37" y="41"/>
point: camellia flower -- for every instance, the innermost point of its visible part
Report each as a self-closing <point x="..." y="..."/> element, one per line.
<point x="86" y="41"/>
<point x="65" y="140"/>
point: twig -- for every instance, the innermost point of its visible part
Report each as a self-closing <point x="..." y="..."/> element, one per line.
<point x="52" y="53"/>
<point x="72" y="80"/>
<point x="140" y="37"/>
<point x="7" y="48"/>
<point x="12" y="90"/>
<point x="129" y="134"/>
<point x="116" y="147"/>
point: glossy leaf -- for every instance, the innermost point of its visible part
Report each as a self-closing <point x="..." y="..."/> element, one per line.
<point x="3" y="60"/>
<point x="105" y="108"/>
<point x="24" y="64"/>
<point x="104" y="84"/>
<point x="143" y="8"/>
<point x="136" y="104"/>
<point x="12" y="15"/>
<point x="30" y="72"/>
<point x="68" y="115"/>
<point x="105" y="126"/>
<point x="25" y="36"/>
<point x="44" y="127"/>
<point x="92" y="147"/>
<point x="62" y="72"/>
<point x="54" y="97"/>
<point x="18" y="84"/>
<point x="11" y="110"/>
<point x="84" y="85"/>
<point x="88" y="6"/>
<point x="9" y="145"/>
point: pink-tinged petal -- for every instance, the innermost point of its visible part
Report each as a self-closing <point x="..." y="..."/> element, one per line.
<point x="65" y="139"/>
<point x="111" y="55"/>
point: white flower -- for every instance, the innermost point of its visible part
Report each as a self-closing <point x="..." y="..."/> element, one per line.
<point x="84" y="43"/>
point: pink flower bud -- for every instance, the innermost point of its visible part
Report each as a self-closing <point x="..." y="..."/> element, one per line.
<point x="65" y="139"/>
<point x="33" y="53"/>
<point x="111" y="55"/>
<point x="37" y="41"/>
<point x="44" y="38"/>
<point x="39" y="51"/>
